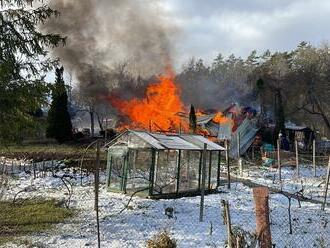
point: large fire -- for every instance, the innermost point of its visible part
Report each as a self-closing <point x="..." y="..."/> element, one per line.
<point x="220" y="118"/>
<point x="158" y="111"/>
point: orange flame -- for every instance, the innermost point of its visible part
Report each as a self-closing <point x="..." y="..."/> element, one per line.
<point x="158" y="111"/>
<point x="220" y="118"/>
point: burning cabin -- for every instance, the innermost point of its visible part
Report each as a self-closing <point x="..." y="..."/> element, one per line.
<point x="162" y="165"/>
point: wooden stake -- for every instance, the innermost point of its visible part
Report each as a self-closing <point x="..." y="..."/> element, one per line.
<point x="297" y="157"/>
<point x="201" y="208"/>
<point x="326" y="186"/>
<point x="228" y="221"/>
<point x="240" y="166"/>
<point x="279" y="160"/>
<point x="314" y="163"/>
<point x="227" y="162"/>
<point x="260" y="196"/>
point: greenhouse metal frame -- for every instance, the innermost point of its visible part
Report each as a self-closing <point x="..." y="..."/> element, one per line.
<point x="161" y="165"/>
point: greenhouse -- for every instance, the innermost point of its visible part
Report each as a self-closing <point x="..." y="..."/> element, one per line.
<point x="162" y="165"/>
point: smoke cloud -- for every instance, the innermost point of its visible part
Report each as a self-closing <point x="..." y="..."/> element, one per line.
<point x="103" y="34"/>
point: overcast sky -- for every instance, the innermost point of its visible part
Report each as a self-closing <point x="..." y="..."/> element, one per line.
<point x="210" y="27"/>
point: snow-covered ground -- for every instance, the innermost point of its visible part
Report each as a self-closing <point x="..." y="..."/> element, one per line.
<point x="310" y="186"/>
<point x="144" y="217"/>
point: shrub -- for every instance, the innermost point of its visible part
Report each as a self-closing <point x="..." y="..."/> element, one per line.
<point x="161" y="240"/>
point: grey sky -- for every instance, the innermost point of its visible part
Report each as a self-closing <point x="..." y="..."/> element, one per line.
<point x="239" y="26"/>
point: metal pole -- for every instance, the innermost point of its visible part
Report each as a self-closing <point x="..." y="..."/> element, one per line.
<point x="238" y="145"/>
<point x="228" y="166"/>
<point x="219" y="169"/>
<point x="151" y="172"/>
<point x="326" y="186"/>
<point x="210" y="170"/>
<point x="96" y="174"/>
<point x="201" y="209"/>
<point x="240" y="162"/>
<point x="200" y="169"/>
<point x="297" y="157"/>
<point x="314" y="162"/>
<point x="178" y="172"/>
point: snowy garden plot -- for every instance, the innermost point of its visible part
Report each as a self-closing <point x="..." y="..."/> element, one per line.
<point x="310" y="186"/>
<point x="144" y="217"/>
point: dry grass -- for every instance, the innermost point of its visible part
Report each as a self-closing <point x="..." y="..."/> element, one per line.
<point x="30" y="216"/>
<point x="161" y="240"/>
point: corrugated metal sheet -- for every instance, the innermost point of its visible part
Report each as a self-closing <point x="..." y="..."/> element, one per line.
<point x="149" y="139"/>
<point x="199" y="141"/>
<point x="173" y="142"/>
<point x="204" y="119"/>
<point x="247" y="133"/>
<point x="212" y="128"/>
<point x="224" y="131"/>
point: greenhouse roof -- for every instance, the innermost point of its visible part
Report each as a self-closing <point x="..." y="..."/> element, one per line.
<point x="162" y="141"/>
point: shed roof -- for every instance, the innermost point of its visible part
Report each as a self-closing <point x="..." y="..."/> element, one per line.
<point x="203" y="119"/>
<point x="172" y="141"/>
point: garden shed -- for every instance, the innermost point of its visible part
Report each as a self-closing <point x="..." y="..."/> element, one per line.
<point x="162" y="165"/>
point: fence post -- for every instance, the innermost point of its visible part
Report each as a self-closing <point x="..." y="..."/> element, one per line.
<point x="297" y="157"/>
<point x="201" y="208"/>
<point x="240" y="162"/>
<point x="210" y="170"/>
<point x="226" y="210"/>
<point x="43" y="168"/>
<point x="178" y="166"/>
<point x="96" y="188"/>
<point x="326" y="186"/>
<point x="314" y="162"/>
<point x="279" y="160"/>
<point x="227" y="162"/>
<point x="260" y="196"/>
<point x="219" y="169"/>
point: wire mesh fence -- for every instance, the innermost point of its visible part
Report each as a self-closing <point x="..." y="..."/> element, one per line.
<point x="302" y="177"/>
<point x="293" y="223"/>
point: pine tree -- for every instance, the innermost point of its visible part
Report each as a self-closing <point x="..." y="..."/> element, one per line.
<point x="192" y="119"/>
<point x="59" y="121"/>
<point x="24" y="64"/>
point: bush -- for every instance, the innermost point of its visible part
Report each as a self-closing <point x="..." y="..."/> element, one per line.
<point x="161" y="240"/>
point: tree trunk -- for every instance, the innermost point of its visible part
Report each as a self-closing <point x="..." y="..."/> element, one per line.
<point x="99" y="120"/>
<point x="323" y="115"/>
<point x="91" y="113"/>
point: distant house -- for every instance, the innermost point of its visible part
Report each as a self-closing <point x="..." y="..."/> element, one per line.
<point x="303" y="134"/>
